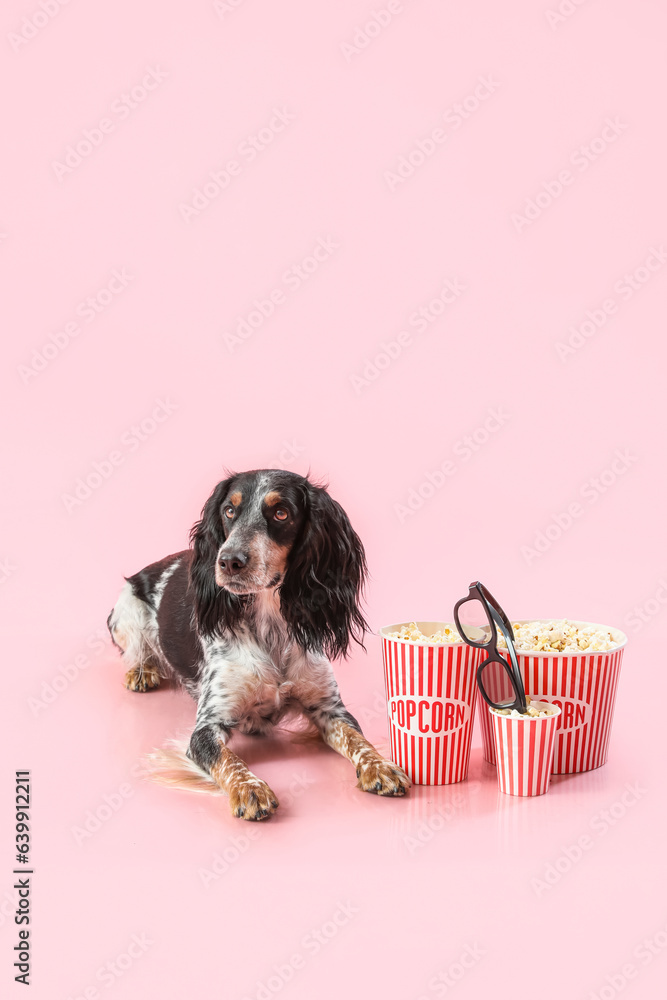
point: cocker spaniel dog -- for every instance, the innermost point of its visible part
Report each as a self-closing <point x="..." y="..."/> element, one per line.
<point x="248" y="621"/>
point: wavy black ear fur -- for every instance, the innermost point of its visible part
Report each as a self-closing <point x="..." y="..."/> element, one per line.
<point x="215" y="608"/>
<point x="326" y="571"/>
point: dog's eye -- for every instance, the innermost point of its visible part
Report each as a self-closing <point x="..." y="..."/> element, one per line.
<point x="280" y="514"/>
<point x="229" y="512"/>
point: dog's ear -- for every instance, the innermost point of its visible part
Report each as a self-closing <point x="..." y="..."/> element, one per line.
<point x="215" y="607"/>
<point x="326" y="571"/>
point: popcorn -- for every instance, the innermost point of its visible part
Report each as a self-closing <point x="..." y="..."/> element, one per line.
<point x="531" y="711"/>
<point x="555" y="636"/>
<point x="411" y="633"/>
<point x="559" y="637"/>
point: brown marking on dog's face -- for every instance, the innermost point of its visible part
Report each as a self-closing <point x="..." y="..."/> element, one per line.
<point x="261" y="518"/>
<point x="273" y="555"/>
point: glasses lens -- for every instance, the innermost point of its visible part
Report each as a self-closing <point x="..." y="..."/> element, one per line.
<point x="474" y="621"/>
<point x="497" y="685"/>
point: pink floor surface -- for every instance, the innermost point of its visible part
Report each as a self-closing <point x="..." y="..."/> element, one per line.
<point x="416" y="248"/>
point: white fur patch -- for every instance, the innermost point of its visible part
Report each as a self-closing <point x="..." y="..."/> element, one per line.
<point x="134" y="624"/>
<point x="130" y="625"/>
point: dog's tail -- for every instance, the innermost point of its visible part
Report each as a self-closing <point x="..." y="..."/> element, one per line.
<point x="171" y="766"/>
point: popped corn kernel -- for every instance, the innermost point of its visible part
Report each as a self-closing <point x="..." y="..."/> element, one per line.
<point x="531" y="711"/>
<point x="560" y="636"/>
<point x="412" y="633"/>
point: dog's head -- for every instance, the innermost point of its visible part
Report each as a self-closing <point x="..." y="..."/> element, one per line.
<point x="270" y="529"/>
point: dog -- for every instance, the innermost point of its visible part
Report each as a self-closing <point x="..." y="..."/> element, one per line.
<point x="248" y="621"/>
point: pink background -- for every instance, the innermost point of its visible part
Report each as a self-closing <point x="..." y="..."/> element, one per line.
<point x="286" y="397"/>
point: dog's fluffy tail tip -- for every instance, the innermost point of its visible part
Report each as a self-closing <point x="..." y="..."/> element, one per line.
<point x="171" y="766"/>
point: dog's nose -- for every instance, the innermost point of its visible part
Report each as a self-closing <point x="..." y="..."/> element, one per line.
<point x="232" y="562"/>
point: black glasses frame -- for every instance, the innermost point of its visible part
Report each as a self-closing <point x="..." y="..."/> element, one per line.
<point x="497" y="619"/>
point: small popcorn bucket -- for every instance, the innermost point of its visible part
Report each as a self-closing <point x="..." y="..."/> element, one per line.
<point x="582" y="685"/>
<point x="524" y="750"/>
<point x="430" y="703"/>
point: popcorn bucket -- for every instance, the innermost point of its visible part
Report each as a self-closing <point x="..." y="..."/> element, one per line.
<point x="524" y="749"/>
<point x="583" y="685"/>
<point x="430" y="704"/>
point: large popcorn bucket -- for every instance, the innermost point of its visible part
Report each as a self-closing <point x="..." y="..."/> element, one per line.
<point x="430" y="703"/>
<point x="524" y="750"/>
<point x="582" y="685"/>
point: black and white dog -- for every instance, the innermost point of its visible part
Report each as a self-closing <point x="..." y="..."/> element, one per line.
<point x="248" y="620"/>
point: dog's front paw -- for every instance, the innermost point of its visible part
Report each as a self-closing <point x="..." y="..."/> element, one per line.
<point x="252" y="799"/>
<point x="383" y="778"/>
<point x="142" y="679"/>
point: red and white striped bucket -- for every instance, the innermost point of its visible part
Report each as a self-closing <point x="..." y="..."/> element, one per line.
<point x="524" y="750"/>
<point x="583" y="686"/>
<point x="430" y="703"/>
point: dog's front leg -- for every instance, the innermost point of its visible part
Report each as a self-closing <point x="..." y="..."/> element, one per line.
<point x="224" y="695"/>
<point x="342" y="733"/>
<point x="374" y="773"/>
<point x="249" y="796"/>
